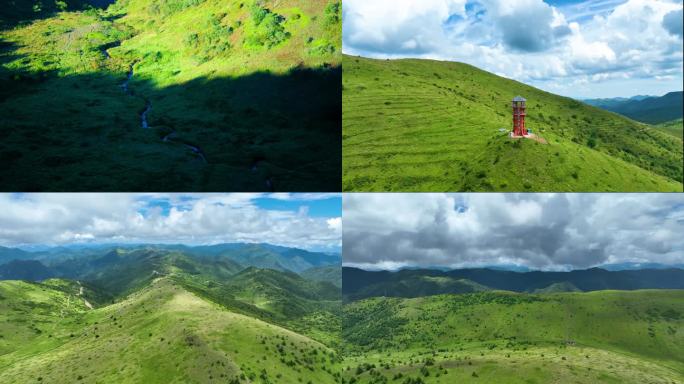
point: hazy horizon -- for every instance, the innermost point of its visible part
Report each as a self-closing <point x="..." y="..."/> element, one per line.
<point x="307" y="221"/>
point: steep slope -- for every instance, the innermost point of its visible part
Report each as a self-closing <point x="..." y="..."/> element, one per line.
<point x="329" y="273"/>
<point x="25" y="270"/>
<point x="601" y="337"/>
<point x="9" y="254"/>
<point x="421" y="125"/>
<point x="30" y="315"/>
<point x="122" y="271"/>
<point x="173" y="95"/>
<point x="309" y="307"/>
<point x="164" y="334"/>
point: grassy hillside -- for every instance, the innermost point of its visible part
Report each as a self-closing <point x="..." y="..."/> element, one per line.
<point x="420" y="125"/>
<point x="602" y="337"/>
<point x="674" y="128"/>
<point x="161" y="334"/>
<point x="174" y="95"/>
<point x="284" y="298"/>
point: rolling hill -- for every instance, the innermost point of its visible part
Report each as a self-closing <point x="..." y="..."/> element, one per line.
<point x="422" y="125"/>
<point x="652" y="110"/>
<point x="359" y="284"/>
<point x="160" y="334"/>
<point x="164" y="316"/>
<point x="171" y="95"/>
<point x="493" y="337"/>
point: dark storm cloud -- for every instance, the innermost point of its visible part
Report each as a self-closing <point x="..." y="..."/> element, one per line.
<point x="672" y="22"/>
<point x="529" y="29"/>
<point x="542" y="231"/>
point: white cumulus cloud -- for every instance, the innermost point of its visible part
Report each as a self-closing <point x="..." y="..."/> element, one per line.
<point x="585" y="49"/>
<point x="53" y="219"/>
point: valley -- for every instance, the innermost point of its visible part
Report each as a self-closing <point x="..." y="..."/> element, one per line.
<point x="427" y="126"/>
<point x="155" y="315"/>
<point x="597" y="337"/>
<point x="175" y="95"/>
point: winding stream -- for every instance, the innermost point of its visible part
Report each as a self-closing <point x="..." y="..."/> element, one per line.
<point x="171" y="137"/>
<point x="143" y="116"/>
<point x="148" y="107"/>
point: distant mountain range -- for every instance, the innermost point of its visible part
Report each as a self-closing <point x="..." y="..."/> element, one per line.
<point x="267" y="291"/>
<point x="359" y="284"/>
<point x="647" y="109"/>
<point x="260" y="255"/>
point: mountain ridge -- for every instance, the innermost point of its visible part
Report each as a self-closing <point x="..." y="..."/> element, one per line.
<point x="651" y="110"/>
<point x="360" y="283"/>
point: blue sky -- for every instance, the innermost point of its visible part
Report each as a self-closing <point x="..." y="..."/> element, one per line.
<point x="582" y="49"/>
<point x="308" y="221"/>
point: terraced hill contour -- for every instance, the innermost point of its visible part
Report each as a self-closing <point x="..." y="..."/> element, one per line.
<point x="421" y="125"/>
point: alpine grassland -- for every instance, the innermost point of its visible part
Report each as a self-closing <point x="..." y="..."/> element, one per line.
<point x="507" y="337"/>
<point x="422" y="125"/>
<point x="151" y="315"/>
<point x="674" y="128"/>
<point x="171" y="95"/>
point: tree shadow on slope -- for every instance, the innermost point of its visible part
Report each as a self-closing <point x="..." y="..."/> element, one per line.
<point x="261" y="132"/>
<point x="17" y="12"/>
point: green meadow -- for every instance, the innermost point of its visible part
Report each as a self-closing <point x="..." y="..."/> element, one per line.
<point x="421" y="125"/>
<point x="496" y="336"/>
<point x="148" y="315"/>
<point x="160" y="334"/>
<point x="674" y="128"/>
<point x="171" y="95"/>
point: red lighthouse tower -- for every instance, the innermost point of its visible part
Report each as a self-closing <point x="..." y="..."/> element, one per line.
<point x="519" y="128"/>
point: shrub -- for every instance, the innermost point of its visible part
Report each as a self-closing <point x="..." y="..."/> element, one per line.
<point x="332" y="13"/>
<point x="270" y="30"/>
<point x="258" y="13"/>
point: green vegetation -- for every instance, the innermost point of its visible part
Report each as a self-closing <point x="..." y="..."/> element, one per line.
<point x="330" y="273"/>
<point x="420" y="125"/>
<point x="242" y="95"/>
<point x="491" y="337"/>
<point x="417" y="286"/>
<point x="651" y="110"/>
<point x="156" y="316"/>
<point x="674" y="128"/>
<point x="161" y="334"/>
